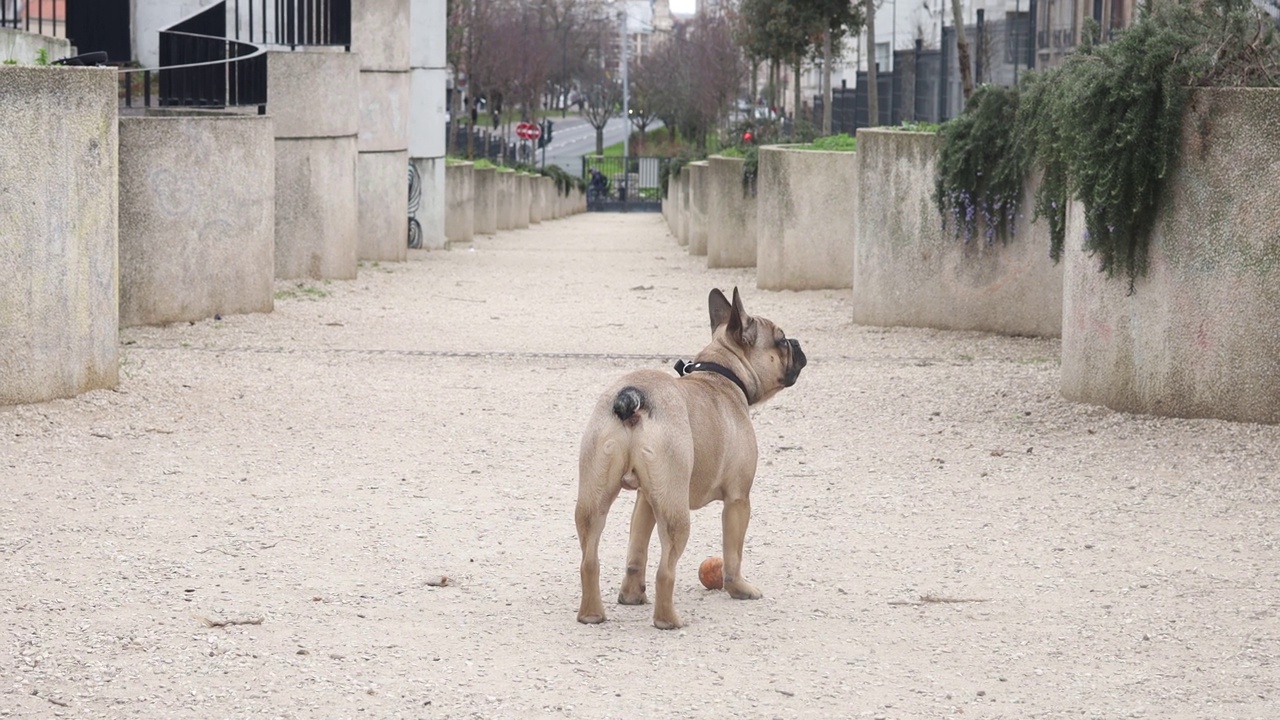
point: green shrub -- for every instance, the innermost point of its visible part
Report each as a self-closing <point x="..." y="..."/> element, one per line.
<point x="834" y="143"/>
<point x="1104" y="128"/>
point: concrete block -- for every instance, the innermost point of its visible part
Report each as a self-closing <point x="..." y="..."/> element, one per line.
<point x="197" y="217"/>
<point x="537" y="199"/>
<point x="25" y="46"/>
<point x="524" y="200"/>
<point x="383" y="204"/>
<point x="1197" y="336"/>
<point x="506" y="198"/>
<point x="699" y="189"/>
<point x="59" y="304"/>
<point x="313" y="94"/>
<point x="459" y="217"/>
<point x="908" y="270"/>
<point x="807" y="218"/>
<point x="686" y="206"/>
<point x="429" y="218"/>
<point x="316" y="208"/>
<point x="380" y="34"/>
<point x="731" y="215"/>
<point x="384" y="111"/>
<point x="486" y="200"/>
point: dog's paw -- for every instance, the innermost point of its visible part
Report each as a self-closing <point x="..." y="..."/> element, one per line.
<point x="742" y="590"/>
<point x="671" y="622"/>
<point x="591" y="618"/>
<point x="628" y="597"/>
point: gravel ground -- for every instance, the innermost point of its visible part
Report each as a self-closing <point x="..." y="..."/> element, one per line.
<point x="936" y="531"/>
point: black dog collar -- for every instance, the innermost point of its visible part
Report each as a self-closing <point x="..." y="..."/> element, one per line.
<point x="684" y="368"/>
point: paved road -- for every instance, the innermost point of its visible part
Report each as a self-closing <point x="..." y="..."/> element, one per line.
<point x="574" y="137"/>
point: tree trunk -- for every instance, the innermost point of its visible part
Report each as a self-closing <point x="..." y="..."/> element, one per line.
<point x="873" y="86"/>
<point x="962" y="51"/>
<point x="600" y="140"/>
<point x="826" y="82"/>
<point x="755" y="85"/>
<point x="795" y="82"/>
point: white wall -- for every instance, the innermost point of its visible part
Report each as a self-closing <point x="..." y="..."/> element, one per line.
<point x="152" y="16"/>
<point x="428" y="76"/>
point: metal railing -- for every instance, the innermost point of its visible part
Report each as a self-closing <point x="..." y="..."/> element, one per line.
<point x="623" y="184"/>
<point x="294" y="23"/>
<point x="200" y="67"/>
<point x="46" y="17"/>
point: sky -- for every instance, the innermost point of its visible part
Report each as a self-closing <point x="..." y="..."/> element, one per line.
<point x="685" y="7"/>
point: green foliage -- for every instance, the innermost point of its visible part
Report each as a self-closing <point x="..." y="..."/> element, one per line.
<point x="750" y="170"/>
<point x="832" y="143"/>
<point x="42" y="56"/>
<point x="10" y="61"/>
<point x="979" y="174"/>
<point x="915" y="126"/>
<point x="673" y="167"/>
<point x="1103" y="128"/>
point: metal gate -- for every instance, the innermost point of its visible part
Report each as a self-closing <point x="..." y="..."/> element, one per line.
<point x="101" y="25"/>
<point x="623" y="184"/>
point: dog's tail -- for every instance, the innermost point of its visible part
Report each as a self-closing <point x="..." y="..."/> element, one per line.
<point x="627" y="403"/>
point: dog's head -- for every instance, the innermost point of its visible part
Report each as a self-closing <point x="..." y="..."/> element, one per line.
<point x="768" y="354"/>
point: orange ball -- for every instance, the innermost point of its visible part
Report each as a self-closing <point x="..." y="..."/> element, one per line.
<point x="711" y="573"/>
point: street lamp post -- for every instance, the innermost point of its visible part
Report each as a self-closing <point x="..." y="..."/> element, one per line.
<point x="626" y="91"/>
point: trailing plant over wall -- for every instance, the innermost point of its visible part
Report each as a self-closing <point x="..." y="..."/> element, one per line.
<point x="1104" y="128"/>
<point x="980" y="175"/>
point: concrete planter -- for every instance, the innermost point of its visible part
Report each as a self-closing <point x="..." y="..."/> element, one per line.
<point x="807" y="219"/>
<point x="58" y="233"/>
<point x="671" y="205"/>
<point x="731" y="215"/>
<point x="524" y="200"/>
<point x="486" y="200"/>
<point x="380" y="38"/>
<point x="506" y="199"/>
<point x="197" y="217"/>
<point x="1198" y="335"/>
<point x="460" y="195"/>
<point x="314" y="101"/>
<point x="908" y="270"/>
<point x="699" y="189"/>
<point x="684" y="209"/>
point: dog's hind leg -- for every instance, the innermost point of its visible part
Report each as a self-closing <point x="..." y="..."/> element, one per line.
<point x="642" y="521"/>
<point x="597" y="489"/>
<point x="734" y="519"/>
<point x="673" y="531"/>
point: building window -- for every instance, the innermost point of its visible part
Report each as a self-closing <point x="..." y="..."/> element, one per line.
<point x="1017" y="36"/>
<point x="883" y="57"/>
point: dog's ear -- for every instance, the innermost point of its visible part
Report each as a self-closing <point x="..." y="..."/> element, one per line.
<point x="742" y="327"/>
<point x="720" y="308"/>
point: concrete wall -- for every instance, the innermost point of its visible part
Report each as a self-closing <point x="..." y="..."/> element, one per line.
<point x="380" y="33"/>
<point x="537" y="199"/>
<point x="314" y="99"/>
<point x="1198" y="336"/>
<point x="428" y="75"/>
<point x="486" y="200"/>
<point x="524" y="199"/>
<point x="731" y="215"/>
<point x="459" y="218"/>
<point x="152" y="16"/>
<point x="686" y="208"/>
<point x="908" y="270"/>
<point x="699" y="188"/>
<point x="25" y="46"/>
<point x="58" y="232"/>
<point x="807" y="218"/>
<point x="506" y="199"/>
<point x="197" y="217"/>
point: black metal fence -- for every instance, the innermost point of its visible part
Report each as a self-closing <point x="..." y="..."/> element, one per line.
<point x="46" y="17"/>
<point x="476" y="143"/>
<point x="294" y="23"/>
<point x="200" y="67"/>
<point x="623" y="184"/>
<point x="924" y="85"/>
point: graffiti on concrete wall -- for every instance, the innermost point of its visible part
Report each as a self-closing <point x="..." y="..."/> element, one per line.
<point x="415" y="199"/>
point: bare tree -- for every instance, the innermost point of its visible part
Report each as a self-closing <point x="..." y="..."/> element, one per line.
<point x="962" y="50"/>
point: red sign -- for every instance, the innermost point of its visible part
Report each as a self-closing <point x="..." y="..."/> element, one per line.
<point x="528" y="131"/>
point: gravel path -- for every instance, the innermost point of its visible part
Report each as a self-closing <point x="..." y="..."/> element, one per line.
<point x="936" y="531"/>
